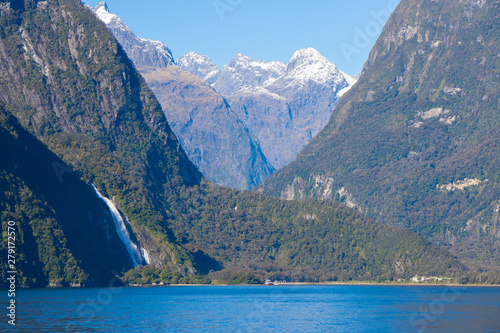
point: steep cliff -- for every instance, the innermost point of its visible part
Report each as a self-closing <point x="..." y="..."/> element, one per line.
<point x="212" y="135"/>
<point x="415" y="142"/>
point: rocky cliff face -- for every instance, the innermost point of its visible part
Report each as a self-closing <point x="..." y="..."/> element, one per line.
<point x="284" y="105"/>
<point x="212" y="135"/>
<point x="143" y="52"/>
<point x="415" y="142"/>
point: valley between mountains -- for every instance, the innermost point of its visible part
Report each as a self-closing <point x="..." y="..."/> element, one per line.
<point x="121" y="162"/>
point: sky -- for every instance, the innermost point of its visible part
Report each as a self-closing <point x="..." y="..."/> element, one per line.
<point x="271" y="30"/>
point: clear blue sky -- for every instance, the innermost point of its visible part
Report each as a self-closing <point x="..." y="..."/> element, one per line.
<point x="343" y="31"/>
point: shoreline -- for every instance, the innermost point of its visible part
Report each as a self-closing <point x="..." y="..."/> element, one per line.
<point x="378" y="284"/>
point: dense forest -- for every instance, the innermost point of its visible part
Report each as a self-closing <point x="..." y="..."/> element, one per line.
<point x="73" y="98"/>
<point x="415" y="143"/>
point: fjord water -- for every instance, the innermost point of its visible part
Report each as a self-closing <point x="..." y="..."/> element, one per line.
<point x="261" y="309"/>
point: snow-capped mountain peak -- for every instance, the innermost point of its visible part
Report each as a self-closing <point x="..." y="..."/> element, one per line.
<point x="309" y="65"/>
<point x="102" y="12"/>
<point x="101" y="6"/>
<point x="305" y="57"/>
<point x="243" y="73"/>
<point x="143" y="52"/>
<point x="241" y="58"/>
<point x="200" y="66"/>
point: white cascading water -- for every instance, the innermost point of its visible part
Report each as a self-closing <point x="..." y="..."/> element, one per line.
<point x="145" y="255"/>
<point x="122" y="231"/>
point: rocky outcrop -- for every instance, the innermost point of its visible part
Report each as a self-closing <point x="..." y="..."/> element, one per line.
<point x="143" y="52"/>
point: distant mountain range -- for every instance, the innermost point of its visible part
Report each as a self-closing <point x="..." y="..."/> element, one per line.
<point x="284" y="105"/>
<point x="265" y="111"/>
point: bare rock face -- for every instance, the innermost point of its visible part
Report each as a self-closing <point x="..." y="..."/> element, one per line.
<point x="143" y="52"/>
<point x="212" y="135"/>
<point x="284" y="105"/>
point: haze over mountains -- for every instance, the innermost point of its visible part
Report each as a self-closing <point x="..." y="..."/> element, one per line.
<point x="77" y="115"/>
<point x="265" y="113"/>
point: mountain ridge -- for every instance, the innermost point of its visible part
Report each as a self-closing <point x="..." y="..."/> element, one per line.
<point x="282" y="106"/>
<point x="143" y="52"/>
<point x="414" y="143"/>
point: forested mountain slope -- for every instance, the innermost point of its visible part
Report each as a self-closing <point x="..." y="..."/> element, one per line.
<point x="78" y="100"/>
<point x="56" y="214"/>
<point x="416" y="143"/>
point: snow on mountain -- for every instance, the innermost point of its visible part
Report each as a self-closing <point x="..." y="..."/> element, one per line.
<point x="306" y="67"/>
<point x="351" y="80"/>
<point x="200" y="66"/>
<point x="143" y="52"/>
<point x="102" y="12"/>
<point x="211" y="134"/>
<point x="284" y="105"/>
<point x="243" y="73"/>
<point x="309" y="65"/>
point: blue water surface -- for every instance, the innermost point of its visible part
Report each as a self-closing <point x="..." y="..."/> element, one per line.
<point x="259" y="309"/>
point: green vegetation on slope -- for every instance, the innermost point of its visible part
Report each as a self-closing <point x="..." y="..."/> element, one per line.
<point x="69" y="83"/>
<point x="55" y="220"/>
<point x="423" y="115"/>
<point x="306" y="240"/>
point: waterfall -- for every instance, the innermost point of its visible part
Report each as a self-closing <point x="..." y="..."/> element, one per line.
<point x="145" y="255"/>
<point x="122" y="231"/>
